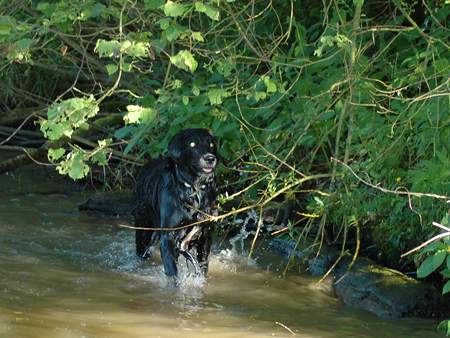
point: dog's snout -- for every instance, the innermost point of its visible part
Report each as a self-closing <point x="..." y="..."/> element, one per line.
<point x="209" y="158"/>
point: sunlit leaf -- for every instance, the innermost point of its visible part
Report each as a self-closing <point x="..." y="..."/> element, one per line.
<point x="100" y="155"/>
<point x="135" y="49"/>
<point x="106" y="48"/>
<point x="271" y="87"/>
<point x="216" y="95"/>
<point x="197" y="36"/>
<point x="195" y="90"/>
<point x="55" y="154"/>
<point x="138" y="114"/>
<point x="111" y="69"/>
<point x="64" y="117"/>
<point x="74" y="165"/>
<point x="184" y="60"/>
<point x="212" y="12"/>
<point x="174" y="9"/>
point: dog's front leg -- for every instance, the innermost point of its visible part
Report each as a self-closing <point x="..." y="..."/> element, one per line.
<point x="169" y="218"/>
<point x="203" y="249"/>
<point x="169" y="255"/>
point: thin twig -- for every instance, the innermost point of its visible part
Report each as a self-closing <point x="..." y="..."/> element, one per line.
<point x="285" y="327"/>
<point x="258" y="229"/>
<point x="435" y="238"/>
<point x="17" y="129"/>
<point x="408" y="193"/>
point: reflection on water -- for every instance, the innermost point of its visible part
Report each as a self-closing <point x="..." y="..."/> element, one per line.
<point x="65" y="274"/>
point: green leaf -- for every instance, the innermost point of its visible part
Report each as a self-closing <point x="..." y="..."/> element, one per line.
<point x="7" y="23"/>
<point x="24" y="44"/>
<point x="127" y="67"/>
<point x="173" y="32"/>
<point x="111" y="69"/>
<point x="432" y="247"/>
<point x="174" y="9"/>
<point x="431" y="264"/>
<point x="164" y="23"/>
<point x="100" y="157"/>
<point x="138" y="114"/>
<point x="137" y="138"/>
<point x="55" y="154"/>
<point x="448" y="262"/>
<point x="64" y="117"/>
<point x="212" y="12"/>
<point x="446" y="219"/>
<point x="185" y="100"/>
<point x="260" y="95"/>
<point x="100" y="154"/>
<point x="446" y="288"/>
<point x="197" y="36"/>
<point x="225" y="67"/>
<point x="216" y="95"/>
<point x="271" y="87"/>
<point x="74" y="165"/>
<point x="124" y="131"/>
<point x="106" y="48"/>
<point x="184" y="60"/>
<point x="153" y="4"/>
<point x="134" y="48"/>
<point x="43" y="6"/>
<point x="195" y="90"/>
<point x="445" y="325"/>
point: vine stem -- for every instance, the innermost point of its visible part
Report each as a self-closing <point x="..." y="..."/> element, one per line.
<point x="408" y="193"/>
<point x="435" y="238"/>
<point x="111" y="90"/>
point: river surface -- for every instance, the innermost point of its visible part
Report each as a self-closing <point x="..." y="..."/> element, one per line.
<point x="69" y="274"/>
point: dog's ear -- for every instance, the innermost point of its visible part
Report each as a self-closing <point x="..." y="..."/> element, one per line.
<point x="175" y="149"/>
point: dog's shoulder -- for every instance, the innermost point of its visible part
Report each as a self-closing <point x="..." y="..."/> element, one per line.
<point x="154" y="168"/>
<point x="153" y="175"/>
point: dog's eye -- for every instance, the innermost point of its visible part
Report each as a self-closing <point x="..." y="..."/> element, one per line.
<point x="192" y="144"/>
<point x="211" y="145"/>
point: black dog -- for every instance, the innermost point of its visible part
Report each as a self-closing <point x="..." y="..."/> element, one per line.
<point x="174" y="191"/>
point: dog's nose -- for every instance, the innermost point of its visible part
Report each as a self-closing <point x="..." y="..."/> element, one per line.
<point x="209" y="158"/>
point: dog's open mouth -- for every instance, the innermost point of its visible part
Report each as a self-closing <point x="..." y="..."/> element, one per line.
<point x="207" y="163"/>
<point x="208" y="169"/>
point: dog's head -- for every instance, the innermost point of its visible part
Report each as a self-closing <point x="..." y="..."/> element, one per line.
<point x="194" y="149"/>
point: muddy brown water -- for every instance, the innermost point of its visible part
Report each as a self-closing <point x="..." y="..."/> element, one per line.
<point x="68" y="274"/>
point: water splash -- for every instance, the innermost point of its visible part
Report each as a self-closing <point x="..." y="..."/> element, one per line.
<point x="238" y="241"/>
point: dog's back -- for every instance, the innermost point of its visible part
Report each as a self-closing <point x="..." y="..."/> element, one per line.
<point x="146" y="214"/>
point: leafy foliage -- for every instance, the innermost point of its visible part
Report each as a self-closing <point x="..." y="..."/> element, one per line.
<point x="63" y="118"/>
<point x="438" y="259"/>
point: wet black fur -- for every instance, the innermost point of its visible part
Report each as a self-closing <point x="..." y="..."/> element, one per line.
<point x="173" y="191"/>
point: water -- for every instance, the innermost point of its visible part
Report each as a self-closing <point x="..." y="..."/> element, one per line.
<point x="68" y="274"/>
